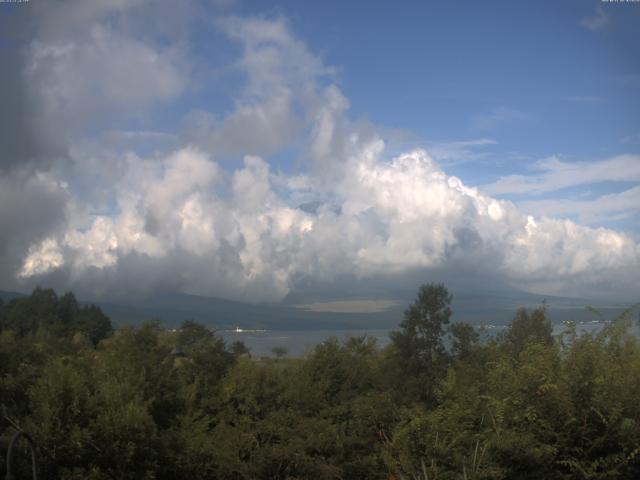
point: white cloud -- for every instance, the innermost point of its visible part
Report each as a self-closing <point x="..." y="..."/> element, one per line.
<point x="633" y="138"/>
<point x="558" y="256"/>
<point x="282" y="79"/>
<point x="82" y="78"/>
<point x="612" y="206"/>
<point x="72" y="67"/>
<point x="42" y="258"/>
<point x="498" y="117"/>
<point x="272" y="56"/>
<point x="461" y="151"/>
<point x="33" y="206"/>
<point x="272" y="122"/>
<point x="395" y="216"/>
<point x="557" y="174"/>
<point x="597" y="21"/>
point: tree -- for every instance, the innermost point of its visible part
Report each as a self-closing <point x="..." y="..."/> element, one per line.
<point x="529" y="327"/>
<point x="192" y="334"/>
<point x="93" y="323"/>
<point x="46" y="315"/>
<point x="418" y="344"/>
<point x="279" y="351"/>
<point x="240" y="349"/>
<point x="464" y="339"/>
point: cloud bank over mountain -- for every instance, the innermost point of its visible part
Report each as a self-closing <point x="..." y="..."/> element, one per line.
<point x="208" y="211"/>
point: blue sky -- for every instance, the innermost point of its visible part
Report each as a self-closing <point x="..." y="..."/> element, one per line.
<point x="528" y="73"/>
<point x="162" y="146"/>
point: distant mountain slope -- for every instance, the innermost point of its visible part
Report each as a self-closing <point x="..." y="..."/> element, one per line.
<point x="473" y="307"/>
<point x="225" y="314"/>
<point x="8" y="296"/>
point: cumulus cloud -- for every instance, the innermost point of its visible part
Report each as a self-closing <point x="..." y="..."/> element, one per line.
<point x="79" y="80"/>
<point x="72" y="66"/>
<point x="177" y="219"/>
<point x="282" y="79"/>
<point x="561" y="256"/>
<point x="68" y="67"/>
<point x="32" y="206"/>
<point x="250" y="243"/>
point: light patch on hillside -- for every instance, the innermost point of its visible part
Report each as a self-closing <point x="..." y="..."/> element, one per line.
<point x="349" y="306"/>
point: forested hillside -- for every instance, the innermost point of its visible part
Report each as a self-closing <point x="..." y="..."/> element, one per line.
<point x="152" y="403"/>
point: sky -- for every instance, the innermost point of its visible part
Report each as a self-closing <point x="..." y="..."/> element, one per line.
<point x="255" y="150"/>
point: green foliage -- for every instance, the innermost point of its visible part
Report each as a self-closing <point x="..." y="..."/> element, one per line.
<point x="464" y="340"/>
<point x="146" y="402"/>
<point x="418" y="345"/>
<point x="46" y="315"/>
<point x="529" y="327"/>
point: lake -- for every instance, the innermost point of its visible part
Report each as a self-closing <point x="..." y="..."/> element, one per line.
<point x="299" y="342"/>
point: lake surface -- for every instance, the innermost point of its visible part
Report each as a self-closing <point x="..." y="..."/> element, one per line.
<point x="300" y="342"/>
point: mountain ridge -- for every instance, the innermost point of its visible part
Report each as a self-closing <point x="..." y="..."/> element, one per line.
<point x="221" y="314"/>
